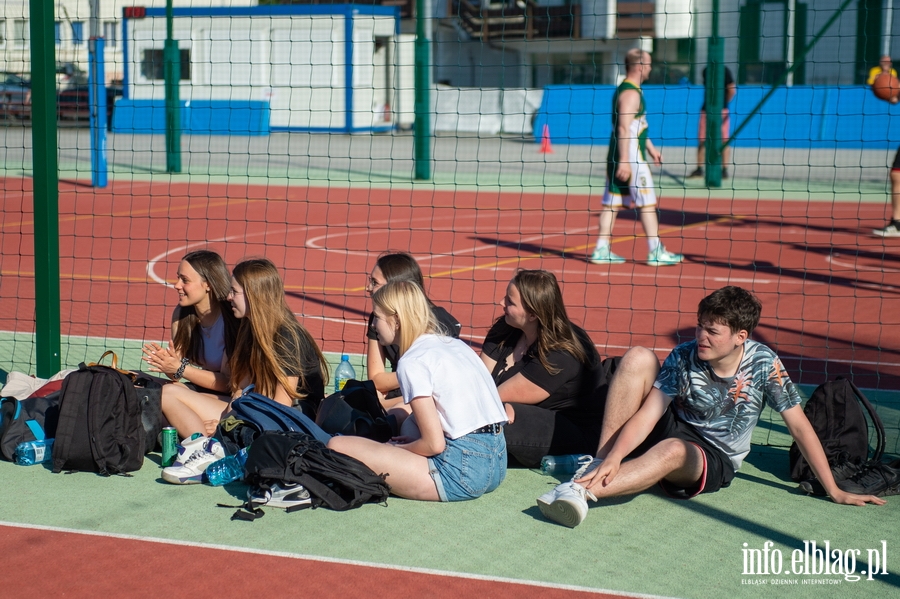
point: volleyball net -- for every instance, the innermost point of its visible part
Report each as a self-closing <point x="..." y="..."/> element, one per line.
<point x="301" y="140"/>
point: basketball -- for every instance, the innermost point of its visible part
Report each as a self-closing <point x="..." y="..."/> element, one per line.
<point x="886" y="87"/>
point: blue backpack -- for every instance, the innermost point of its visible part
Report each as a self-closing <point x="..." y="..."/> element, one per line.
<point x="30" y="419"/>
<point x="264" y="414"/>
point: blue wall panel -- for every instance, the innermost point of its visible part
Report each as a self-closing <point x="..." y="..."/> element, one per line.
<point x="200" y="117"/>
<point x="796" y="117"/>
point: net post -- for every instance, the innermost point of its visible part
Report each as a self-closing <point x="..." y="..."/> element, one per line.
<point x="422" y="126"/>
<point x="715" y="92"/>
<point x="45" y="180"/>
<point x="172" y="74"/>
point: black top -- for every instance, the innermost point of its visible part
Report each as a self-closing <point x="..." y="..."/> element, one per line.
<point x="729" y="80"/>
<point x="305" y="360"/>
<point x="571" y="389"/>
<point x="392" y="352"/>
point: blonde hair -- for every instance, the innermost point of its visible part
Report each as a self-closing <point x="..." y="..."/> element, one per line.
<point x="406" y="302"/>
<point x="259" y="355"/>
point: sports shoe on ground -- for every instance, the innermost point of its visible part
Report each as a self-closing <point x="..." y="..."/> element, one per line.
<point x="697" y="173"/>
<point x="661" y="257"/>
<point x="587" y="464"/>
<point x="187" y="448"/>
<point x="283" y="495"/>
<point x="605" y="256"/>
<point x="891" y="230"/>
<point x="191" y="470"/>
<point x="873" y="478"/>
<point x="566" y="504"/>
<point x="844" y="470"/>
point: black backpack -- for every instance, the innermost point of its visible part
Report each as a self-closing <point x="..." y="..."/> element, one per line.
<point x="101" y="421"/>
<point x="355" y="410"/>
<point x="24" y="420"/>
<point x="835" y="414"/>
<point x="334" y="480"/>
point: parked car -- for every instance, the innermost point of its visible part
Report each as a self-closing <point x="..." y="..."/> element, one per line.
<point x="73" y="104"/>
<point x="15" y="96"/>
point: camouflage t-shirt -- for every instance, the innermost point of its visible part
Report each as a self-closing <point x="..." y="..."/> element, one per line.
<point x="725" y="410"/>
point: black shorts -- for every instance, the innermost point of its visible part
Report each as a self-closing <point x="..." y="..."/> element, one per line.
<point x="896" y="165"/>
<point x="717" y="469"/>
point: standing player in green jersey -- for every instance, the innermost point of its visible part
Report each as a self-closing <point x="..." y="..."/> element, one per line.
<point x="628" y="179"/>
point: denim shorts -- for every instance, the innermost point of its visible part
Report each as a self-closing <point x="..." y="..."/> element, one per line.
<point x="470" y="466"/>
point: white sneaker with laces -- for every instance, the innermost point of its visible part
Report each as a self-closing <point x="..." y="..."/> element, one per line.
<point x="283" y="495"/>
<point x="566" y="504"/>
<point x="201" y="456"/>
<point x="587" y="464"/>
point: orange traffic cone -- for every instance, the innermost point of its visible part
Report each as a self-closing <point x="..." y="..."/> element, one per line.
<point x="546" y="148"/>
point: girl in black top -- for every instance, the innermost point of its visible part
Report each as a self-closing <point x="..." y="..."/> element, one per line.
<point x="547" y="371"/>
<point x="398" y="266"/>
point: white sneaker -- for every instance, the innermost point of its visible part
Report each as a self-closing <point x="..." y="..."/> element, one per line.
<point x="191" y="470"/>
<point x="566" y="504"/>
<point x="187" y="448"/>
<point x="587" y="464"/>
<point x="283" y="495"/>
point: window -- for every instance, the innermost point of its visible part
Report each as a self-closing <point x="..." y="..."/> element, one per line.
<point x="2" y="32"/>
<point x="110" y="29"/>
<point x="77" y="33"/>
<point x="152" y="65"/>
<point x="21" y="34"/>
<point x="57" y="32"/>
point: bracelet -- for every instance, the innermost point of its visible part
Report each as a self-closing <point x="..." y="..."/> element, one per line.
<point x="180" y="372"/>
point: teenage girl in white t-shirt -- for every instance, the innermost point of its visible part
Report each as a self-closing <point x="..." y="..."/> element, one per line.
<point x="455" y="408"/>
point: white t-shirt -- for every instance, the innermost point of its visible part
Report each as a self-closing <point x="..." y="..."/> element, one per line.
<point x="449" y="371"/>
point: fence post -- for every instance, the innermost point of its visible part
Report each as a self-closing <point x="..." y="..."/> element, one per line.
<point x="45" y="181"/>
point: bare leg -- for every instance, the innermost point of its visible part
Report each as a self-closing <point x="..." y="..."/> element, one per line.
<point x="630" y="385"/>
<point x="674" y="460"/>
<point x="895" y="195"/>
<point x="191" y="412"/>
<point x="407" y="473"/>
<point x="650" y="221"/>
<point x="607" y="220"/>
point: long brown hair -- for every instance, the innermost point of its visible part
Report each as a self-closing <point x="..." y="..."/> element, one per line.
<point x="542" y="297"/>
<point x="268" y="332"/>
<point x="401" y="266"/>
<point x="214" y="272"/>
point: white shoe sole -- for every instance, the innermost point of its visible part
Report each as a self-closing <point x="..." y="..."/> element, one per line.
<point x="560" y="512"/>
<point x="176" y="480"/>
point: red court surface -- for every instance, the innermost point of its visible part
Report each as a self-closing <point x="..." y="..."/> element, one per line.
<point x="830" y="291"/>
<point x="50" y="563"/>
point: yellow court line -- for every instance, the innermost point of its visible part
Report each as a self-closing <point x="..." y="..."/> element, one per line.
<point x="494" y="264"/>
<point x="132" y="213"/>
<point x="536" y="255"/>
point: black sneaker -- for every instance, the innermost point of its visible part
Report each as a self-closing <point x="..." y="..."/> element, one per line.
<point x="841" y="472"/>
<point x="874" y="478"/>
<point x="696" y="174"/>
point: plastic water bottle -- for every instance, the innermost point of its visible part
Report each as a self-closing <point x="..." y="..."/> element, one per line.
<point x="555" y="465"/>
<point x="228" y="469"/>
<point x="343" y="373"/>
<point x="29" y="453"/>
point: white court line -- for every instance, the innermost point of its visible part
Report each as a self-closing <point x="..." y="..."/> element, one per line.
<point x="327" y="560"/>
<point x="832" y="259"/>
